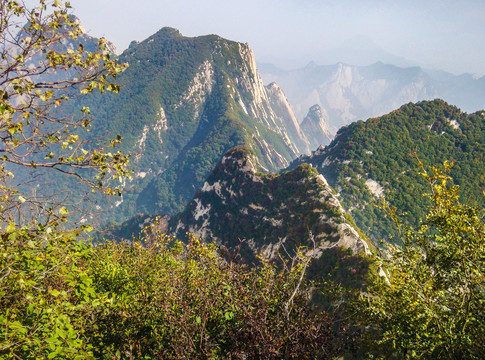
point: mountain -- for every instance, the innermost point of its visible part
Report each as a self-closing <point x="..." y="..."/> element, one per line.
<point x="315" y="126"/>
<point x="282" y="108"/>
<point x="184" y="102"/>
<point x="349" y="93"/>
<point x="268" y="214"/>
<point x="377" y="159"/>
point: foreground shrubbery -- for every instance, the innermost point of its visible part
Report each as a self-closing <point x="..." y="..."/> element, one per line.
<point x="158" y="298"/>
<point x="60" y="298"/>
<point x="432" y="303"/>
<point x="46" y="295"/>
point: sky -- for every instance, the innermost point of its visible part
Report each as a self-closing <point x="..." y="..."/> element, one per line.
<point x="442" y="34"/>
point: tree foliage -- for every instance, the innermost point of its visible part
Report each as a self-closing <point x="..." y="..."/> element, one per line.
<point x="433" y="304"/>
<point x="43" y="64"/>
<point x="46" y="295"/>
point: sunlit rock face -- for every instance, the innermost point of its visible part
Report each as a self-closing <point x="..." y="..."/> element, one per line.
<point x="314" y="125"/>
<point x="283" y="110"/>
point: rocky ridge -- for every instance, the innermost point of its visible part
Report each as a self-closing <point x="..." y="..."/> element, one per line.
<point x="266" y="213"/>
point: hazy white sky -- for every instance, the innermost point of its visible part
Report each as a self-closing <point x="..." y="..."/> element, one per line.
<point x="445" y="34"/>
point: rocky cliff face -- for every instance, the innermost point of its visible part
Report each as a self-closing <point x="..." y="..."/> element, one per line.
<point x="283" y="110"/>
<point x="268" y="214"/>
<point x="252" y="96"/>
<point x="315" y="126"/>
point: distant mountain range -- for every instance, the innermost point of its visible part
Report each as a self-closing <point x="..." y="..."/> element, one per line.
<point x="361" y="50"/>
<point x="349" y="93"/>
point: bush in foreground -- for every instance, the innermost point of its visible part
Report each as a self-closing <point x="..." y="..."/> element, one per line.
<point x="432" y="303"/>
<point x="153" y="299"/>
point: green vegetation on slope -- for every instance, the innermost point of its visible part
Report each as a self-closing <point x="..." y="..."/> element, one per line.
<point x="227" y="128"/>
<point x="290" y="199"/>
<point x="388" y="149"/>
<point x="180" y="109"/>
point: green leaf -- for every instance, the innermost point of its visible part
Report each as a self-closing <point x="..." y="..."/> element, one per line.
<point x="229" y="315"/>
<point x="10" y="228"/>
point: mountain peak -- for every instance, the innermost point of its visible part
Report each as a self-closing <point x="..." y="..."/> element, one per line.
<point x="315" y="112"/>
<point x="168" y="33"/>
<point x="273" y="86"/>
<point x="311" y="65"/>
<point x="240" y="158"/>
<point x="266" y="211"/>
<point x="190" y="83"/>
<point x="315" y="126"/>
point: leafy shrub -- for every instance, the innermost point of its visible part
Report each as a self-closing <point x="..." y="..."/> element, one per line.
<point x="174" y="301"/>
<point x="46" y="295"/>
<point x="432" y="304"/>
<point x="156" y="298"/>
